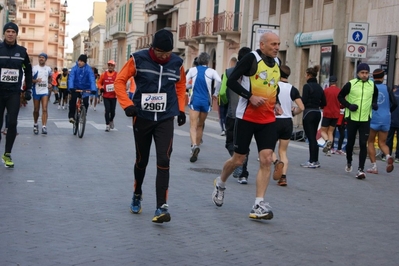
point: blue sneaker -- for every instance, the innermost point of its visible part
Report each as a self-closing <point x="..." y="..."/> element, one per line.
<point x="161" y="215"/>
<point x="135" y="206"/>
<point x="237" y="172"/>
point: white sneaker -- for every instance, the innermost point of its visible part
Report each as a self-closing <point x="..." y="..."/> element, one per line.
<point x="107" y="128"/>
<point x="261" y="211"/>
<point x="59" y="107"/>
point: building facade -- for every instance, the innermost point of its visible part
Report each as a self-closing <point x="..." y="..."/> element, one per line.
<point x="42" y="28"/>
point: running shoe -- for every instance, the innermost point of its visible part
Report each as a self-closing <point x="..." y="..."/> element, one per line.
<point x="107" y="128"/>
<point x="223" y="133"/>
<point x="237" y="172"/>
<point x="390" y="166"/>
<point x="372" y="170"/>
<point x="316" y="164"/>
<point x="59" y="107"/>
<point x="308" y="165"/>
<point x="6" y="159"/>
<point x="328" y="153"/>
<point x="44" y="130"/>
<point x="35" y="129"/>
<point x="71" y="120"/>
<point x="397" y="160"/>
<point x="218" y="194"/>
<point x="242" y="180"/>
<point x="282" y="182"/>
<point x="135" y="206"/>
<point x="327" y="146"/>
<point x="261" y="211"/>
<point x="111" y="124"/>
<point x="278" y="170"/>
<point x="340" y="152"/>
<point x="348" y="167"/>
<point x="161" y="215"/>
<point x="55" y="102"/>
<point x="194" y="153"/>
<point x="360" y="174"/>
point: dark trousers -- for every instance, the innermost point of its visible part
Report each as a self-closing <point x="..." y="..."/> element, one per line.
<point x="230" y="123"/>
<point x="310" y="124"/>
<point x="341" y="132"/>
<point x="9" y="100"/>
<point x="353" y="127"/>
<point x="72" y="103"/>
<point x="162" y="132"/>
<point x="109" y="105"/>
<point x="391" y="135"/>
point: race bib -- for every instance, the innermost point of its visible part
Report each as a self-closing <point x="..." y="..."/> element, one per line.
<point x="153" y="102"/>
<point x="109" y="87"/>
<point x="63" y="84"/>
<point x="41" y="88"/>
<point x="9" y="75"/>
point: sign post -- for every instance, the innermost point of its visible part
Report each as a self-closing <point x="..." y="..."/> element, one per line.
<point x="357" y="40"/>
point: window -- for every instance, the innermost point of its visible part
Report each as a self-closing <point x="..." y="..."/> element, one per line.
<point x="256" y="9"/>
<point x="236" y="15"/>
<point x="216" y="7"/>
<point x="130" y="12"/>
<point x="272" y="7"/>
<point x="308" y="3"/>
<point x="32" y="4"/>
<point x="23" y="15"/>
<point x="197" y="11"/>
<point x="285" y="6"/>
<point x="129" y="50"/>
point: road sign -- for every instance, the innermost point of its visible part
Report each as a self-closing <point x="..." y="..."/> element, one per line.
<point x="356" y="50"/>
<point x="358" y="32"/>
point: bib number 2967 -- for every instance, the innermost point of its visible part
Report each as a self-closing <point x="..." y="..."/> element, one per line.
<point x="153" y="102"/>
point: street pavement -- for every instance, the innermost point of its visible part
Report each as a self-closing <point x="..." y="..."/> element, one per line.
<point x="66" y="202"/>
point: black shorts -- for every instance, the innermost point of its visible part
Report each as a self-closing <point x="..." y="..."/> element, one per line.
<point x="265" y="136"/>
<point x="329" y="122"/>
<point x="284" y="128"/>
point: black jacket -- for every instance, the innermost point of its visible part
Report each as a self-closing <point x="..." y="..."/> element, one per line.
<point x="14" y="61"/>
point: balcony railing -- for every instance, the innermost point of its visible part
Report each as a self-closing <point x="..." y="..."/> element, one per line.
<point x="118" y="30"/>
<point x="184" y="32"/>
<point x="202" y="27"/>
<point x="144" y="41"/>
<point x="227" y="22"/>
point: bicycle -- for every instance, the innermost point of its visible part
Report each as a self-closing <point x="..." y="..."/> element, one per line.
<point x="80" y="116"/>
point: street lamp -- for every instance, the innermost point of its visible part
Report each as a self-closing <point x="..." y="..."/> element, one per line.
<point x="65" y="3"/>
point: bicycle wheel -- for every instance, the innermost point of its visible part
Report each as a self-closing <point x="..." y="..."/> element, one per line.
<point x="75" y="125"/>
<point x="82" y="122"/>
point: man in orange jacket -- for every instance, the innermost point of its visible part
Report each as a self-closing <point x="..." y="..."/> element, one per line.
<point x="160" y="96"/>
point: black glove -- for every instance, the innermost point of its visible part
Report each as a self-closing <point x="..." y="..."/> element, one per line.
<point x="353" y="107"/>
<point x="131" y="111"/>
<point x="181" y="119"/>
<point x="28" y="95"/>
<point x="375" y="106"/>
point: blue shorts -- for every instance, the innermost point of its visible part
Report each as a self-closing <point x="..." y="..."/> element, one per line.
<point x="380" y="127"/>
<point x="55" y="88"/>
<point x="37" y="97"/>
<point x="200" y="108"/>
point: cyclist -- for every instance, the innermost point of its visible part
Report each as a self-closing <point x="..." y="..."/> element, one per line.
<point x="106" y="85"/>
<point x="80" y="78"/>
<point x="41" y="81"/>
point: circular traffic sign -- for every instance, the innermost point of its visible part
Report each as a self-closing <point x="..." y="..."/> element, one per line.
<point x="357" y="36"/>
<point x="361" y="49"/>
<point x="351" y="48"/>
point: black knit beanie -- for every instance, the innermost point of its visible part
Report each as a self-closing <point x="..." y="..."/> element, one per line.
<point x="163" y="40"/>
<point x="83" y="58"/>
<point x="10" y="25"/>
<point x="362" y="66"/>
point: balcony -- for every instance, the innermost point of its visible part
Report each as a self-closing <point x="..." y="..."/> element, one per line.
<point x="30" y="22"/>
<point x="201" y="31"/>
<point x="118" y="31"/>
<point x="228" y="26"/>
<point x="38" y="8"/>
<point x="54" y="12"/>
<point x="158" y="6"/>
<point x="32" y="37"/>
<point x="144" y="42"/>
